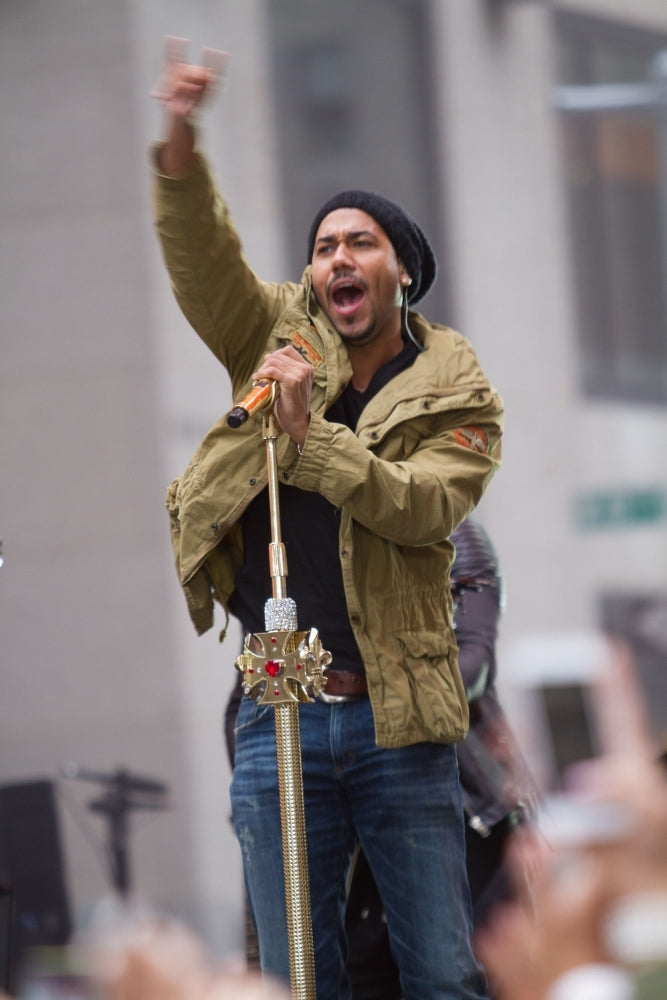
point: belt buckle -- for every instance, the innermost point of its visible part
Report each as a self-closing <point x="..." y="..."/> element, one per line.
<point x="337" y="699"/>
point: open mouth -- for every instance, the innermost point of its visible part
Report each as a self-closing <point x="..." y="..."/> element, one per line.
<point x="347" y="296"/>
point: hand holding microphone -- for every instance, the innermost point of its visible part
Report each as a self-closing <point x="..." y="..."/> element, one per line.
<point x="284" y="380"/>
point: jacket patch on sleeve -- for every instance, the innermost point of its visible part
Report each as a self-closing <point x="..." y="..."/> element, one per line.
<point x="474" y="438"/>
<point x="306" y="349"/>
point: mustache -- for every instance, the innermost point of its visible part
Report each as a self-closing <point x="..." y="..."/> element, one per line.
<point x="347" y="276"/>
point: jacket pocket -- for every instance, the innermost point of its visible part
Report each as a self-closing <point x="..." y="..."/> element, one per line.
<point x="437" y="693"/>
<point x="422" y="642"/>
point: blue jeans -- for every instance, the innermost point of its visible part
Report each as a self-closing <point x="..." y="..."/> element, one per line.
<point x="405" y="807"/>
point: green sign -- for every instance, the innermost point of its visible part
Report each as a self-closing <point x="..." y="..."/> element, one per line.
<point x="619" y="508"/>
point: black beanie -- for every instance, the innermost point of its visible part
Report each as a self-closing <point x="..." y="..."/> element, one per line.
<point x="409" y="242"/>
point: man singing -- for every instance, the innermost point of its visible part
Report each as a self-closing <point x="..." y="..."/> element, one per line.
<point x="390" y="432"/>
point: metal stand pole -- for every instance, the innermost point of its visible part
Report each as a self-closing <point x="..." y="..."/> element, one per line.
<point x="295" y="857"/>
<point x="283" y="667"/>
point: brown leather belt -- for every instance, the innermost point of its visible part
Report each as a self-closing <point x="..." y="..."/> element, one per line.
<point x="343" y="685"/>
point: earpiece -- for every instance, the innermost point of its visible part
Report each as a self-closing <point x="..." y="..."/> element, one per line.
<point x="406" y="281"/>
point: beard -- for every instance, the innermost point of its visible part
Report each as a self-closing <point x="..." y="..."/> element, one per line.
<point x="359" y="337"/>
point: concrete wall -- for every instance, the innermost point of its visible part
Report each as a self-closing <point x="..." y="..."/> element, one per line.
<point x="645" y="13"/>
<point x="89" y="667"/>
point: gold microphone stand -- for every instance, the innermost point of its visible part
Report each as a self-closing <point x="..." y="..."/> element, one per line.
<point x="284" y="667"/>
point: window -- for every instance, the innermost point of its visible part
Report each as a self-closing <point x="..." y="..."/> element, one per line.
<point x="615" y="183"/>
<point x="345" y="122"/>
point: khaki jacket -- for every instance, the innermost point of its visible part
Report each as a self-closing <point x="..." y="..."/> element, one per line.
<point x="423" y="453"/>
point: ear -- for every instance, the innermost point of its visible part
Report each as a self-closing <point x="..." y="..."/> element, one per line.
<point x="404" y="277"/>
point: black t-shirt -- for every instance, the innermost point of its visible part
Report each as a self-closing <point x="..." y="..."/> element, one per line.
<point x="310" y="529"/>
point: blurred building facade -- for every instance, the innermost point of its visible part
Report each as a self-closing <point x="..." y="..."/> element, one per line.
<point x="551" y="230"/>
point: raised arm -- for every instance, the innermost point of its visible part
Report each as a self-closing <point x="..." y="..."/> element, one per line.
<point x="228" y="306"/>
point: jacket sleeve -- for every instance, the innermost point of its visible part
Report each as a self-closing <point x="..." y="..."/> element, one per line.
<point x="476" y="626"/>
<point x="417" y="500"/>
<point x="224" y="301"/>
<point x="476" y="582"/>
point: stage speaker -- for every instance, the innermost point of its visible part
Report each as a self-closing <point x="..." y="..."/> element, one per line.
<point x="31" y="872"/>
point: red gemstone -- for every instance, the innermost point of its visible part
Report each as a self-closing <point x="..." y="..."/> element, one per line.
<point x="272" y="668"/>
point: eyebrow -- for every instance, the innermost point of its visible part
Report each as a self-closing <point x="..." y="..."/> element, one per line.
<point x="351" y="235"/>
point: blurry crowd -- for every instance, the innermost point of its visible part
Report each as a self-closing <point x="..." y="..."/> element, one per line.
<point x="588" y="921"/>
<point x="592" y="920"/>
